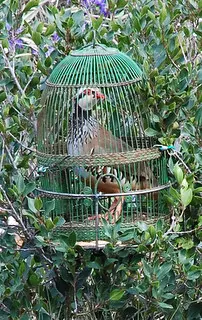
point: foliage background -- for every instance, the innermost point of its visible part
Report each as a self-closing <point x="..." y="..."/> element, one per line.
<point x="158" y="274"/>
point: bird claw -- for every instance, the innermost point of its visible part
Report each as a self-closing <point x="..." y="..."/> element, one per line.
<point x="113" y="214"/>
<point x="107" y="216"/>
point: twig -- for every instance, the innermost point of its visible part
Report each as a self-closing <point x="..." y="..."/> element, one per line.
<point x="2" y="154"/>
<point x="19" y="220"/>
<point x="172" y="226"/>
<point x="4" y="210"/>
<point x="176" y="154"/>
<point x="9" y="155"/>
<point x="22" y="145"/>
<point x="15" y="214"/>
<point x="181" y="46"/>
<point x="167" y="53"/>
<point x="184" y="164"/>
<point x="22" y="115"/>
<point x="25" y="88"/>
<point x="183" y="232"/>
<point x="12" y="71"/>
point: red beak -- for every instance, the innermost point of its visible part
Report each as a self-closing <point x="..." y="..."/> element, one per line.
<point x="100" y="95"/>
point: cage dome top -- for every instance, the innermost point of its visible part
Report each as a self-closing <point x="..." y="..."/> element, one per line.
<point x="96" y="65"/>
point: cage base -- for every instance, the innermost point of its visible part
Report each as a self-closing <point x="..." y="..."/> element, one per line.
<point x="90" y="234"/>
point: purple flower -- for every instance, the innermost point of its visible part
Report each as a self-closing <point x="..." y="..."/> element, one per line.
<point x="35" y="52"/>
<point x="8" y="26"/>
<point x="99" y="2"/>
<point x="83" y="27"/>
<point x="14" y="42"/>
<point x="98" y="5"/>
<point x="55" y="37"/>
<point x="19" y="43"/>
<point x="13" y="39"/>
<point x="103" y="10"/>
<point x="19" y="30"/>
<point x="49" y="51"/>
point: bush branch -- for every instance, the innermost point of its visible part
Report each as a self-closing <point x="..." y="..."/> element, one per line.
<point x="11" y="70"/>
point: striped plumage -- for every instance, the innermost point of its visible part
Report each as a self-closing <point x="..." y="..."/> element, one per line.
<point x="87" y="136"/>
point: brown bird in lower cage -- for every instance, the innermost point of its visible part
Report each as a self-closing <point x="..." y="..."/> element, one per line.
<point x="88" y="137"/>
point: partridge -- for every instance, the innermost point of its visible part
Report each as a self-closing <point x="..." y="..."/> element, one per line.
<point x="87" y="137"/>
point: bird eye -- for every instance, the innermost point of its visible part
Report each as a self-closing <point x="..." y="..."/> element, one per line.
<point x="87" y="92"/>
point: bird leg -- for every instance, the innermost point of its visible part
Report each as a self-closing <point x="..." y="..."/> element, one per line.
<point x="114" y="211"/>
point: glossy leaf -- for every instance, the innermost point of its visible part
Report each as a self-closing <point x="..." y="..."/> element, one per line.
<point x="186" y="196"/>
<point x="30" y="5"/>
<point x="178" y="173"/>
<point x="116" y="294"/>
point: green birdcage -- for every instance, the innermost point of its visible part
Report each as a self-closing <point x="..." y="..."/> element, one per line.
<point x="96" y="160"/>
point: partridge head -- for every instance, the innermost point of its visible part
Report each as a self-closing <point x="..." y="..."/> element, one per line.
<point x="88" y="97"/>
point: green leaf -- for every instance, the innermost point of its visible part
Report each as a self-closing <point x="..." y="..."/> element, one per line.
<point x="48" y="62"/>
<point x="96" y="23"/>
<point x="198" y="116"/>
<point x="34" y="280"/>
<point x="72" y="239"/>
<point x="40" y="27"/>
<point x="36" y="37"/>
<point x="30" y="186"/>
<point x="163" y="270"/>
<point x="49" y="224"/>
<point x="127" y="235"/>
<point x="136" y="24"/>
<point x="197" y="190"/>
<point x="186" y="196"/>
<point x="5" y="43"/>
<point x="31" y="4"/>
<point x="40" y="239"/>
<point x="20" y="184"/>
<point x="142" y="226"/>
<point x="151" y="132"/>
<point x="133" y="290"/>
<point x="38" y="204"/>
<point x="29" y="215"/>
<point x="152" y="231"/>
<point x="151" y="15"/>
<point x="168" y="296"/>
<point x="174" y="194"/>
<point x="78" y="17"/>
<point x="184" y="184"/>
<point x="164" y="305"/>
<point x="194" y="4"/>
<point x="116" y="294"/>
<point x="121" y="3"/>
<point x="93" y="265"/>
<point x="147" y="269"/>
<point x="187" y="244"/>
<point x="2" y="96"/>
<point x="61" y="247"/>
<point x="110" y="261"/>
<point x="41" y="67"/>
<point x="178" y="173"/>
<point x="49" y="206"/>
<point x="163" y="13"/>
<point x="114" y="26"/>
<point x="50" y="29"/>
<point x="2" y="127"/>
<point x="59" y="221"/>
<point x="107" y="228"/>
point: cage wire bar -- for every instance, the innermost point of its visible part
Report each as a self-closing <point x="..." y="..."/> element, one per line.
<point x="95" y="151"/>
